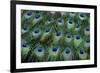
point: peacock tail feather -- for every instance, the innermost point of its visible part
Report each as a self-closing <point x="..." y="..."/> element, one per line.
<point x="54" y="36"/>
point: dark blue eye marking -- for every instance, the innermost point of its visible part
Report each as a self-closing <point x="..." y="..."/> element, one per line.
<point x="81" y="51"/>
<point x="78" y="37"/>
<point x="47" y="30"/>
<point x="87" y="29"/>
<point x="37" y="16"/>
<point x="54" y="49"/>
<point x="58" y="33"/>
<point x="69" y="36"/>
<point x="59" y="20"/>
<point x="82" y="14"/>
<point x="29" y="13"/>
<point x="24" y="45"/>
<point x="77" y="26"/>
<point x="88" y="41"/>
<point x="36" y="30"/>
<point x="67" y="51"/>
<point x="70" y="21"/>
<point x="40" y="49"/>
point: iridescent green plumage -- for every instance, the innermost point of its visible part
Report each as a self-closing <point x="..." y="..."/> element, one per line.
<point x="54" y="36"/>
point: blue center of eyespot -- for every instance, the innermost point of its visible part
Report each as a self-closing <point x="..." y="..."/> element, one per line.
<point x="87" y="29"/>
<point x="68" y="36"/>
<point x="67" y="51"/>
<point x="37" y="16"/>
<point x="47" y="30"/>
<point x="40" y="49"/>
<point x="70" y="21"/>
<point x="88" y="41"/>
<point x="37" y="31"/>
<point x="29" y="13"/>
<point x="77" y="26"/>
<point x="82" y="14"/>
<point x="54" y="49"/>
<point x="81" y="51"/>
<point x="78" y="37"/>
<point x="24" y="45"/>
<point x="58" y="33"/>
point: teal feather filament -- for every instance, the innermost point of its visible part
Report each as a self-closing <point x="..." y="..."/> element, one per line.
<point x="24" y="29"/>
<point x="72" y="14"/>
<point x="37" y="18"/>
<point x="46" y="34"/>
<point x="36" y="33"/>
<point x="68" y="38"/>
<point x="57" y="37"/>
<point x="77" y="40"/>
<point x="82" y="16"/>
<point x="87" y="43"/>
<point x="77" y="28"/>
<point x="67" y="54"/>
<point x="87" y="31"/>
<point x="49" y="21"/>
<point x="53" y="53"/>
<point x="28" y="14"/>
<point x="70" y="24"/>
<point x="24" y="50"/>
<point x="60" y="22"/>
<point x="82" y="54"/>
<point x="39" y="52"/>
